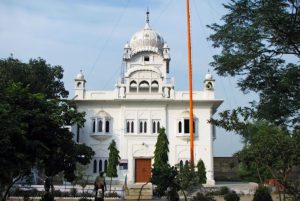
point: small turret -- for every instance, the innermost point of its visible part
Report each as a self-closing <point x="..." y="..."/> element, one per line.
<point x="80" y="85"/>
<point x="127" y="52"/>
<point x="209" y="82"/>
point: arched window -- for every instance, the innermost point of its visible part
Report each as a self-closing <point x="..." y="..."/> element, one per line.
<point x="181" y="165"/>
<point x="144" y="86"/>
<point x="94" y="125"/>
<point x="186" y="162"/>
<point x="127" y="126"/>
<point x="133" y="86"/>
<point x="179" y="127"/>
<point x="107" y="126"/>
<point x="194" y="126"/>
<point x="154" y="127"/>
<point x="105" y="166"/>
<point x="100" y="165"/>
<point x="146" y="58"/>
<point x="132" y="127"/>
<point x="141" y="126"/>
<point x="145" y="127"/>
<point x="158" y="126"/>
<point x="154" y="86"/>
<point x="95" y="166"/>
<point x="186" y="126"/>
<point x="100" y="125"/>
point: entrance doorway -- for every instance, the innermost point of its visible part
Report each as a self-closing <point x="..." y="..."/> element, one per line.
<point x="142" y="170"/>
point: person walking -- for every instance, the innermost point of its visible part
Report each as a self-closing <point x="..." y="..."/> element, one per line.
<point x="100" y="184"/>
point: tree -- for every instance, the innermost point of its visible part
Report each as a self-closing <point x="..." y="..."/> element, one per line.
<point x="274" y="150"/>
<point x="113" y="161"/>
<point x="161" y="169"/>
<point x="260" y="45"/>
<point x="161" y="150"/>
<point x="187" y="178"/>
<point x="201" y="172"/>
<point x="33" y="114"/>
<point x="81" y="178"/>
<point x="256" y="39"/>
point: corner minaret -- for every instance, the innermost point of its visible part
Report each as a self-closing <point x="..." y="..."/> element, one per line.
<point x="209" y="82"/>
<point x="80" y="86"/>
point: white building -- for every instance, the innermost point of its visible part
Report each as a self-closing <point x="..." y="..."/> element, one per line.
<point x="143" y="101"/>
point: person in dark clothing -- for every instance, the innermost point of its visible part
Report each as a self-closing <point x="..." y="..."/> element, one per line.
<point x="100" y="184"/>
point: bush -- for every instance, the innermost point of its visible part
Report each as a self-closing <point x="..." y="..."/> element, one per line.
<point x="112" y="194"/>
<point x="73" y="192"/>
<point x="262" y="193"/>
<point x="203" y="197"/>
<point x="231" y="196"/>
<point x="47" y="197"/>
<point x="26" y="192"/>
<point x="57" y="193"/>
<point x="224" y="190"/>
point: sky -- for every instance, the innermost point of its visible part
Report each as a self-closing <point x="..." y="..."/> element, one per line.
<point x="89" y="35"/>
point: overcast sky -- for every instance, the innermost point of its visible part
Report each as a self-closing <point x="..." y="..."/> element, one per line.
<point x="90" y="35"/>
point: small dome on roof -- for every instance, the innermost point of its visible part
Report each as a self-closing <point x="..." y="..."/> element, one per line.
<point x="208" y="76"/>
<point x="166" y="45"/>
<point x="80" y="76"/>
<point x="127" y="45"/>
<point x="146" y="40"/>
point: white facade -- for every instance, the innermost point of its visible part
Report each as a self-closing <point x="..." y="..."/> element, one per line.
<point x="144" y="100"/>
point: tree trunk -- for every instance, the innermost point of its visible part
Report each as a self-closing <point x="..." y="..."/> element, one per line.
<point x="141" y="190"/>
<point x="9" y="187"/>
<point x="185" y="198"/>
<point x="110" y="184"/>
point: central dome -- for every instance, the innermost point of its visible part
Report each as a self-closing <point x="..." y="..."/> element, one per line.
<point x="146" y="40"/>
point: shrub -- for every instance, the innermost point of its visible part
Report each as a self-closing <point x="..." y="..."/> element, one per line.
<point x="112" y="194"/>
<point x="224" y="190"/>
<point x="203" y="197"/>
<point x="47" y="197"/>
<point x="73" y="192"/>
<point x="57" y="193"/>
<point x="231" y="196"/>
<point x="262" y="193"/>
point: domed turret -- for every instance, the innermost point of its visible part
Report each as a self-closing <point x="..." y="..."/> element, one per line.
<point x="80" y="76"/>
<point x="209" y="82"/>
<point x="80" y="85"/>
<point x="146" y="40"/>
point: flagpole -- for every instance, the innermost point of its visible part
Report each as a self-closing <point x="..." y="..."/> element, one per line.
<point x="190" y="77"/>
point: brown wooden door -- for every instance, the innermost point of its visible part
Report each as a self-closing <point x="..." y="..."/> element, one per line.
<point x="142" y="170"/>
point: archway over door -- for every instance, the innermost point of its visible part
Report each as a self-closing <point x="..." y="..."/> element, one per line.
<point x="142" y="170"/>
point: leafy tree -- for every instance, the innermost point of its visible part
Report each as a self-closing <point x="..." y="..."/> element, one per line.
<point x="33" y="115"/>
<point x="257" y="39"/>
<point x="201" y="172"/>
<point x="81" y="178"/>
<point x="253" y="173"/>
<point x="187" y="178"/>
<point x="260" y="45"/>
<point x="161" y="149"/>
<point x="113" y="161"/>
<point x="273" y="150"/>
<point x="161" y="169"/>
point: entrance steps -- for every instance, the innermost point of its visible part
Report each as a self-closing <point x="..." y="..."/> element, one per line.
<point x="132" y="191"/>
